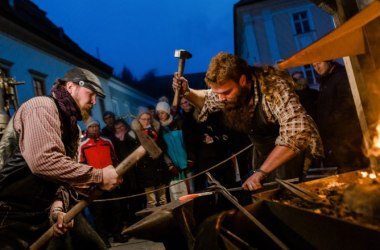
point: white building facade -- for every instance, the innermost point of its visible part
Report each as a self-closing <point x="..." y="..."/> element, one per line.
<point x="33" y="50"/>
<point x="267" y="31"/>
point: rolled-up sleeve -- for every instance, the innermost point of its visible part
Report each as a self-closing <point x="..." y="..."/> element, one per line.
<point x="297" y="129"/>
<point x="211" y="105"/>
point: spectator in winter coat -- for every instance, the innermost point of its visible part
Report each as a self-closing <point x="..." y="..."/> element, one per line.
<point x="308" y="97"/>
<point x="98" y="152"/>
<point x="109" y="130"/>
<point x="192" y="136"/>
<point x="337" y="120"/>
<point x="125" y="143"/>
<point x="152" y="173"/>
<point x="172" y="133"/>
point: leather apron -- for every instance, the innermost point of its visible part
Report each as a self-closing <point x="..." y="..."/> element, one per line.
<point x="263" y="136"/>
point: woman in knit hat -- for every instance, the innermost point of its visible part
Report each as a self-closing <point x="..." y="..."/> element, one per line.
<point x="172" y="134"/>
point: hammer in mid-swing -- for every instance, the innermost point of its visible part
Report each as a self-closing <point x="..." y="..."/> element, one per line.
<point x="182" y="55"/>
<point x="147" y="146"/>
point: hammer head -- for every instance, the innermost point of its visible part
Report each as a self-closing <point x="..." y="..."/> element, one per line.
<point x="149" y="145"/>
<point x="182" y="54"/>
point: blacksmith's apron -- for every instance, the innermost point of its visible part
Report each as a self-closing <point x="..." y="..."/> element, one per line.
<point x="263" y="136"/>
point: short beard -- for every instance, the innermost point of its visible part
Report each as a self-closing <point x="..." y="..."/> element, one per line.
<point x="237" y="115"/>
<point x="86" y="116"/>
<point x="84" y="111"/>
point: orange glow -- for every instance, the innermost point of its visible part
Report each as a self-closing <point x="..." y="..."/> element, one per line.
<point x="376" y="139"/>
<point x="373" y="150"/>
<point x="372" y="176"/>
<point x="364" y="174"/>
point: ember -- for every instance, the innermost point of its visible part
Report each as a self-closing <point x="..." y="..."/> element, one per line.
<point x="357" y="201"/>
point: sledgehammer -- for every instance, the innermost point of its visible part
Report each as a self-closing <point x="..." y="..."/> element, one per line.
<point x="147" y="146"/>
<point x="182" y="55"/>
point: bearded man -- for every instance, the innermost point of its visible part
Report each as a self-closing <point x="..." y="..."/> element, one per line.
<point x="41" y="166"/>
<point x="261" y="102"/>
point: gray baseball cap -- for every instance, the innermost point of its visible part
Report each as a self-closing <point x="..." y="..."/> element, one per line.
<point x="84" y="78"/>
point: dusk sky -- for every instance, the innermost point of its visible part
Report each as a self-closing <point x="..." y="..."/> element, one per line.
<point x="143" y="34"/>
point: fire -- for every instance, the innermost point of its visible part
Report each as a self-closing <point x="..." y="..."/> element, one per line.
<point x="364" y="174"/>
<point x="373" y="147"/>
<point x="376" y="139"/>
<point x="372" y="176"/>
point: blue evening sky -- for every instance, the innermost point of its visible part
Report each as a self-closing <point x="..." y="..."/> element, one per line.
<point x="143" y="34"/>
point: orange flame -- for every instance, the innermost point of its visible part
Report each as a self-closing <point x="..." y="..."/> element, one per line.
<point x="372" y="176"/>
<point x="376" y="139"/>
<point x="374" y="149"/>
<point x="364" y="174"/>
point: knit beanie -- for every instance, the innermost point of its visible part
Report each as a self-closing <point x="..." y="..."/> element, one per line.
<point x="163" y="106"/>
<point x="92" y="122"/>
<point x="141" y="110"/>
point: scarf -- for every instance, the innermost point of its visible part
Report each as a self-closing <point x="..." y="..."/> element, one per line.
<point x="70" y="115"/>
<point x="167" y="122"/>
<point x="151" y="132"/>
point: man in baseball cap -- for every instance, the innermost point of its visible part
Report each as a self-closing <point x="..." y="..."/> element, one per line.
<point x="84" y="78"/>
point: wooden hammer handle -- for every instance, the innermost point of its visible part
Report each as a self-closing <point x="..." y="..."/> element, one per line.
<point x="121" y="169"/>
<point x="181" y="67"/>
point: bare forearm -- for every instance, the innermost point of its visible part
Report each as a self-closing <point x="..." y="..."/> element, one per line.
<point x="276" y="158"/>
<point x="196" y="97"/>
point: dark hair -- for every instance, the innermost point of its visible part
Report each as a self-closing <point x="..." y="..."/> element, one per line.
<point x="297" y="72"/>
<point x="108" y="113"/>
<point x="122" y="121"/>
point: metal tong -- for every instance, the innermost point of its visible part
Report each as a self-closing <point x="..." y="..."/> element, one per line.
<point x="220" y="188"/>
<point x="303" y="193"/>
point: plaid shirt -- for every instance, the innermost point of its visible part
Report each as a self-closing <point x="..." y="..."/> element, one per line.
<point x="38" y="124"/>
<point x="297" y="129"/>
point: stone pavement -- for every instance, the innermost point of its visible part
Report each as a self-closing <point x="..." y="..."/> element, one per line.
<point x="137" y="244"/>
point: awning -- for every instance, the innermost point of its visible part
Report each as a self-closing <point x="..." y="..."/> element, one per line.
<point x="346" y="40"/>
